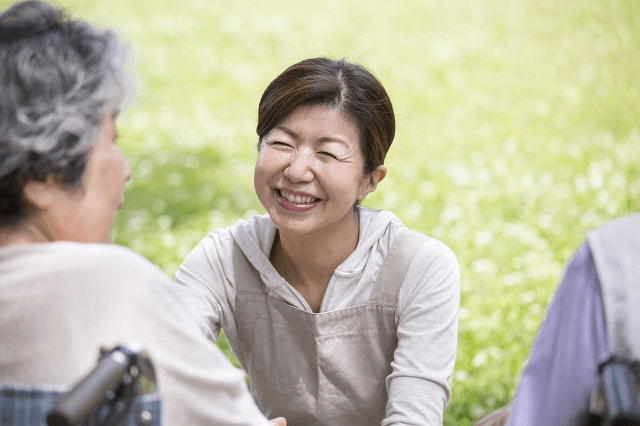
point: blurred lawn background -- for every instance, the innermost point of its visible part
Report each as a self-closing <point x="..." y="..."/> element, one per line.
<point x="518" y="130"/>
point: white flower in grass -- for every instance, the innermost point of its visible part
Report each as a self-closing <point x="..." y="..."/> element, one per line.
<point x="427" y="188"/>
<point x="617" y="180"/>
<point x="175" y="178"/>
<point x="137" y="245"/>
<point x="207" y="193"/>
<point x="480" y="359"/>
<point x="459" y="174"/>
<point x="413" y="211"/>
<point x="514" y="279"/>
<point x="216" y="219"/>
<point x="167" y="239"/>
<point x="483" y="238"/>
<point x="159" y="205"/>
<point x="143" y="169"/>
<point x="463" y="313"/>
<point x="595" y="176"/>
<point x="580" y="182"/>
<point x="390" y="200"/>
<point x="164" y="222"/>
<point x="183" y="250"/>
<point x="477" y="411"/>
<point x="484" y="266"/>
<point x="528" y="297"/>
<point x="138" y="219"/>
<point x="451" y="213"/>
<point x="461" y="375"/>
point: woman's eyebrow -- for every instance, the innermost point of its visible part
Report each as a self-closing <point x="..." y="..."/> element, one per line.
<point x="288" y="131"/>
<point x="328" y="139"/>
<point x="324" y="139"/>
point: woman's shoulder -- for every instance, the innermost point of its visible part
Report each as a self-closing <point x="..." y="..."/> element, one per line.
<point x="390" y="227"/>
<point x="436" y="249"/>
<point x="80" y="270"/>
<point x="110" y="259"/>
<point x="430" y="252"/>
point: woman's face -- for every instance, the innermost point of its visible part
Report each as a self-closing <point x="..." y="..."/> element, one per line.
<point x="309" y="172"/>
<point x="87" y="214"/>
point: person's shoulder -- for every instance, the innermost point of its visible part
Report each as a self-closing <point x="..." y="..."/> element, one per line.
<point x="378" y="224"/>
<point x="430" y="248"/>
<point x="622" y="227"/>
<point x="439" y="249"/>
<point x="435" y="254"/>
<point x="117" y="259"/>
<point x="254" y="235"/>
<point x="378" y="217"/>
<point x="255" y="226"/>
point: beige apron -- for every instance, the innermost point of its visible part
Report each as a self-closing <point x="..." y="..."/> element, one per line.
<point x="321" y="368"/>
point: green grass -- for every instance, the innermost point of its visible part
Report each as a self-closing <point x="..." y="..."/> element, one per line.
<point x="518" y="130"/>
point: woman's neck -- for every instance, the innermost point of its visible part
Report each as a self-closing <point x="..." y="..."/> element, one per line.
<point x="308" y="262"/>
<point x="26" y="232"/>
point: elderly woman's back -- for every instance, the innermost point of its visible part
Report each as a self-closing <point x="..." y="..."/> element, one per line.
<point x="63" y="292"/>
<point x="61" y="302"/>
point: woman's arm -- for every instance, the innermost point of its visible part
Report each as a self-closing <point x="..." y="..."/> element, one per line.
<point x="427" y="337"/>
<point x="201" y="284"/>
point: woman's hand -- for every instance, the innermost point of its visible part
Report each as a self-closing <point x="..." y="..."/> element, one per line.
<point x="279" y="421"/>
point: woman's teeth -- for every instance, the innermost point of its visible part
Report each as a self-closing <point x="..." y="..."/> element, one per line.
<point x="298" y="199"/>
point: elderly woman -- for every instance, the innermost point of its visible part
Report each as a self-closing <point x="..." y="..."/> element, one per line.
<point x="339" y="314"/>
<point x="63" y="295"/>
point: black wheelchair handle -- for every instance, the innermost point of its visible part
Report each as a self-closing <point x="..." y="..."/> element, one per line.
<point x="74" y="406"/>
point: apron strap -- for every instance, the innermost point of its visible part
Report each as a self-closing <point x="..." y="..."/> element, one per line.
<point x="246" y="276"/>
<point x="395" y="266"/>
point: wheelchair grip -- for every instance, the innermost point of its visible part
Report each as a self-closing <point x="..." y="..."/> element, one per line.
<point x="74" y="406"/>
<point x="621" y="393"/>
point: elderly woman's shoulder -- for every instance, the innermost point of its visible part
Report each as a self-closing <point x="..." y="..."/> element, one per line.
<point x="83" y="259"/>
<point x="113" y="255"/>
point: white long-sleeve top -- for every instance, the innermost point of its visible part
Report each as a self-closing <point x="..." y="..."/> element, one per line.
<point x="61" y="302"/>
<point x="426" y="316"/>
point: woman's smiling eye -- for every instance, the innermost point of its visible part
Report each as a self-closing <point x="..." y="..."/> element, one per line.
<point x="328" y="154"/>
<point x="279" y="143"/>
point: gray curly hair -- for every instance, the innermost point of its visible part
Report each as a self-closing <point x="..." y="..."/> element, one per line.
<point x="58" y="79"/>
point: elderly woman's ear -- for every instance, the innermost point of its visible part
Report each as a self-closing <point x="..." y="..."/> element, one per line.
<point x="41" y="195"/>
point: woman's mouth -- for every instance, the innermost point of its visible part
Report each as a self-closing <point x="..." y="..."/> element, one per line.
<point x="295" y="202"/>
<point x="297" y="199"/>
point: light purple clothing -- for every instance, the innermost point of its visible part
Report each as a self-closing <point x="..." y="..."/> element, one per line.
<point x="561" y="370"/>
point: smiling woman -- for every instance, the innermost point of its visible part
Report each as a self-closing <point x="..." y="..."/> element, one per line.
<point x="339" y="314"/>
<point x="312" y="160"/>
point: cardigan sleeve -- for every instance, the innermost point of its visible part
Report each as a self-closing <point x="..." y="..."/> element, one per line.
<point x="201" y="283"/>
<point x="427" y="318"/>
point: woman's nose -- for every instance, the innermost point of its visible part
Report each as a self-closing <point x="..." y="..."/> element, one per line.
<point x="126" y="167"/>
<point x="299" y="169"/>
<point x="128" y="171"/>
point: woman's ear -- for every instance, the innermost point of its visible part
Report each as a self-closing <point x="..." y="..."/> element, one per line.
<point x="41" y="194"/>
<point x="380" y="173"/>
<point x="371" y="181"/>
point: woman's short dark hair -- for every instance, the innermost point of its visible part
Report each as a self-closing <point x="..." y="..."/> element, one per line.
<point x="58" y="77"/>
<point x="339" y="84"/>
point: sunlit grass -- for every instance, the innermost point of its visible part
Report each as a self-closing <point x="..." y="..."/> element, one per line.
<point x="518" y="130"/>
